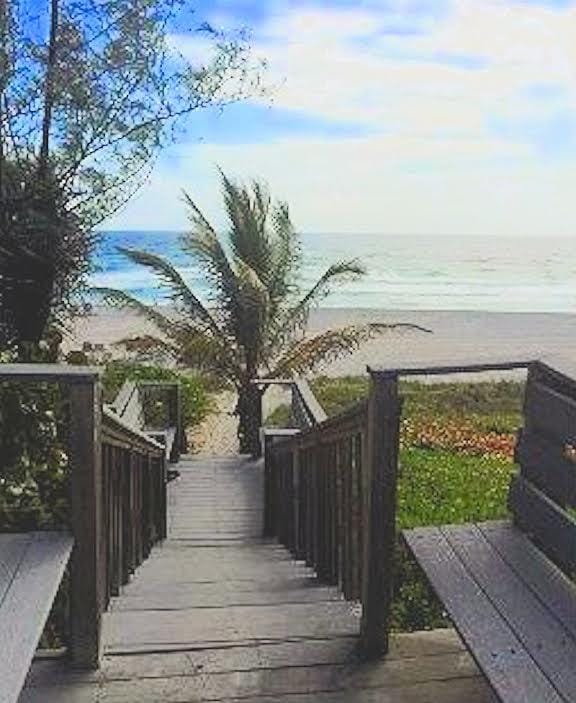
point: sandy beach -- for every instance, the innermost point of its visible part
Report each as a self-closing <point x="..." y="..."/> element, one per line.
<point x="455" y="336"/>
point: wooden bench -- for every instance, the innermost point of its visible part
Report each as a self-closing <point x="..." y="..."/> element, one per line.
<point x="31" y="568"/>
<point x="506" y="585"/>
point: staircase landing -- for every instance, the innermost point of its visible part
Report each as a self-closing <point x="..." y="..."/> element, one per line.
<point x="219" y="614"/>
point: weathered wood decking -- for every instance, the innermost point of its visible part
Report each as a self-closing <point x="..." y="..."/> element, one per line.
<point x="219" y="614"/>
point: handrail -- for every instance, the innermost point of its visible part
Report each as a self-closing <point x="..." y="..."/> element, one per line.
<point x="447" y="367"/>
<point x="123" y="397"/>
<point x="111" y="418"/>
<point x="49" y="372"/>
<point x="306" y="409"/>
<point x="314" y="410"/>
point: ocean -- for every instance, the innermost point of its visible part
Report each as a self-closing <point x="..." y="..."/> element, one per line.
<point x="493" y="274"/>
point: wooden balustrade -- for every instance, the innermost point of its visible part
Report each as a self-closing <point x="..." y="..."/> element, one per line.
<point x="118" y="477"/>
<point x="330" y="489"/>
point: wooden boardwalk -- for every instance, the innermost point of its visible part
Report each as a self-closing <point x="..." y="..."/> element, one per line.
<point x="219" y="614"/>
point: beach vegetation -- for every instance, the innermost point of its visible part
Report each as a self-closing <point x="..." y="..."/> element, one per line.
<point x="89" y="94"/>
<point x="253" y="323"/>
<point x="456" y="462"/>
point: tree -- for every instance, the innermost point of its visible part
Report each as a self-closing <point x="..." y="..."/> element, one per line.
<point x="255" y="324"/>
<point x="90" y="91"/>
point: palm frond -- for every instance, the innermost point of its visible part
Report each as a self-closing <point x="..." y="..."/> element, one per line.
<point x="295" y="318"/>
<point x="307" y="354"/>
<point x="286" y="254"/>
<point x="254" y="302"/>
<point x="203" y="244"/>
<point x="182" y="340"/>
<point x="248" y="214"/>
<point x="176" y="284"/>
<point x="120" y="299"/>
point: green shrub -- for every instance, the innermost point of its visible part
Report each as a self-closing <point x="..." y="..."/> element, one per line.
<point x="33" y="451"/>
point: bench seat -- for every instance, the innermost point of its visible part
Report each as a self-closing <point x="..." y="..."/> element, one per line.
<point x="514" y="609"/>
<point x="31" y="568"/>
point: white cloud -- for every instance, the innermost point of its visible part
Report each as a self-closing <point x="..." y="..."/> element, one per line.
<point x="324" y="69"/>
<point x="430" y="163"/>
<point x="376" y="185"/>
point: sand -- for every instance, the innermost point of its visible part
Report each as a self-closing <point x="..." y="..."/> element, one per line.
<point x="455" y="335"/>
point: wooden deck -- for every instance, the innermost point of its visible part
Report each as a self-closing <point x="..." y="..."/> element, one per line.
<point x="219" y="614"/>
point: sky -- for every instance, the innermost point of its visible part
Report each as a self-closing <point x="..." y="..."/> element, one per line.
<point x="428" y="117"/>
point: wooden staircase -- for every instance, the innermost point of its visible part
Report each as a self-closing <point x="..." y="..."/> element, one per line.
<point x="217" y="613"/>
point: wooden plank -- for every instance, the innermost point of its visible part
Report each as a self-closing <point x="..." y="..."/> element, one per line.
<point x="12" y="550"/>
<point x="380" y="484"/>
<point x="495" y="647"/>
<point x="469" y="689"/>
<point x="127" y="631"/>
<point x="546" y="580"/>
<point x="551" y="466"/>
<point x="545" y="638"/>
<point x="299" y="653"/>
<point x="26" y="602"/>
<point x="553" y="529"/>
<point x="386" y="679"/>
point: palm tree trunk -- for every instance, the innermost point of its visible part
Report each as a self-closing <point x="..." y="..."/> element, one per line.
<point x="249" y="411"/>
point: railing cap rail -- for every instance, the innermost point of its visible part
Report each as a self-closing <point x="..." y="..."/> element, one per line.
<point x="49" y="372"/>
<point x="316" y="411"/>
<point x="110" y="416"/>
<point x="418" y="368"/>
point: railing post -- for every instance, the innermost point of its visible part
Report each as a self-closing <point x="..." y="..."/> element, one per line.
<point x="380" y="512"/>
<point x="88" y="564"/>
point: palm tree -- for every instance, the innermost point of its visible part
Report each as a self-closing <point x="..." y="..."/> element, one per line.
<point x="254" y="323"/>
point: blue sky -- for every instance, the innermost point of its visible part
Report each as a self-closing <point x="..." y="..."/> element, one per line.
<point x="400" y="116"/>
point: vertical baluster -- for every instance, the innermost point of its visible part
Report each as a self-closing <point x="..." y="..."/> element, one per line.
<point x="327" y="513"/>
<point x="309" y="507"/>
<point x="327" y="546"/>
<point x="125" y="515"/>
<point x="117" y="528"/>
<point x="107" y="517"/>
<point x="339" y="514"/>
<point x="356" y="517"/>
<point x="315" y="504"/>
<point x="360" y="454"/>
<point x="333" y="478"/>
<point x="348" y="546"/>
<point x="139" y="508"/>
<point x="296" y="500"/>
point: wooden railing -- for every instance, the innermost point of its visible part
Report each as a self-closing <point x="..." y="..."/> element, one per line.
<point x="117" y="490"/>
<point x="134" y="499"/>
<point x="330" y="491"/>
